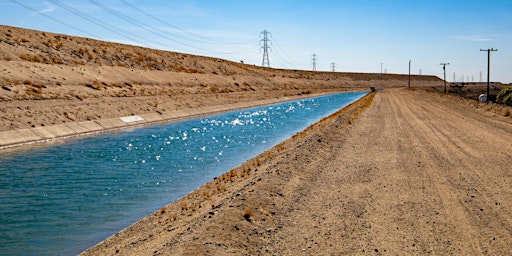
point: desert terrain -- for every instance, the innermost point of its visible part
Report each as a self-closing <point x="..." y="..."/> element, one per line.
<point x="401" y="171"/>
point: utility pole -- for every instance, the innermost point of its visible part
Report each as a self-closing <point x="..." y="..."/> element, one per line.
<point x="333" y="67"/>
<point x="265" y="47"/>
<point x="444" y="69"/>
<point x="480" y="76"/>
<point x="313" y="58"/>
<point x="420" y="71"/>
<point x="488" y="69"/>
<point x="381" y="80"/>
<point x="409" y="74"/>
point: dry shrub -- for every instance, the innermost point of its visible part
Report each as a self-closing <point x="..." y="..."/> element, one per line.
<point x="95" y="85"/>
<point x="505" y="112"/>
<point x="34" y="89"/>
<point x="150" y="66"/>
<point x="82" y="51"/>
<point x="248" y="213"/>
<point x="117" y="84"/>
<point x="31" y="58"/>
<point x="56" y="60"/>
<point x="206" y="195"/>
<point x="27" y="82"/>
<point x="179" y="69"/>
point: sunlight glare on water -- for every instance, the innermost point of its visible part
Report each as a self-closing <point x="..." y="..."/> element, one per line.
<point x="61" y="199"/>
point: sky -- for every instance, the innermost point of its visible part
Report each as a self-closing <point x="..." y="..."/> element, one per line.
<point x="347" y="35"/>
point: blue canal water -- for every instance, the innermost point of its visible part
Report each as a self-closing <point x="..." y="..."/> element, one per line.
<point x="63" y="198"/>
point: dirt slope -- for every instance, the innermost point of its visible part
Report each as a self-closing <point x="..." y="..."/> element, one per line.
<point x="51" y="79"/>
<point x="416" y="173"/>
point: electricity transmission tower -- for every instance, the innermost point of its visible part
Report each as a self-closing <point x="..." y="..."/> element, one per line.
<point x="313" y="58"/>
<point x="488" y="68"/>
<point x="444" y="69"/>
<point x="265" y="47"/>
<point x="333" y="67"/>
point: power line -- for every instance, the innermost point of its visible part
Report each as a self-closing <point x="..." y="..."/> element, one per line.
<point x="444" y="69"/>
<point x="149" y="28"/>
<point x="265" y="48"/>
<point x="128" y="35"/>
<point x="205" y="39"/>
<point x="91" y="19"/>
<point x="488" y="69"/>
<point x="424" y="70"/>
<point x="409" y="77"/>
<point x="54" y="19"/>
<point x="313" y="59"/>
<point x="282" y="54"/>
<point x="333" y="67"/>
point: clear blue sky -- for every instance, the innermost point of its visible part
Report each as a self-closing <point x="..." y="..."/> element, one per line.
<point x="356" y="35"/>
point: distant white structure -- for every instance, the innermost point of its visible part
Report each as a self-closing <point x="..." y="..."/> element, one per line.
<point x="482" y="98"/>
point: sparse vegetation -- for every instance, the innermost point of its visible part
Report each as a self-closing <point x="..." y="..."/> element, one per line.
<point x="31" y="58"/>
<point x="505" y="112"/>
<point x="248" y="214"/>
<point x="505" y="96"/>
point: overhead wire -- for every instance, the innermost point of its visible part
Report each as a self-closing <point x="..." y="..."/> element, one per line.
<point x="111" y="28"/>
<point x="127" y="35"/>
<point x="285" y="56"/>
<point x="427" y="71"/>
<point x="208" y="40"/>
<point x="54" y="19"/>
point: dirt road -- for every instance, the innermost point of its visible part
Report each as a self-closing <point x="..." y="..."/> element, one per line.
<point x="414" y="174"/>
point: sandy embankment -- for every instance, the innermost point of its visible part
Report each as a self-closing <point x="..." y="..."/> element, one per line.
<point x="415" y="173"/>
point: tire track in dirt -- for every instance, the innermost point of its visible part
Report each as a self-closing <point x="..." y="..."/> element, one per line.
<point x="454" y="169"/>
